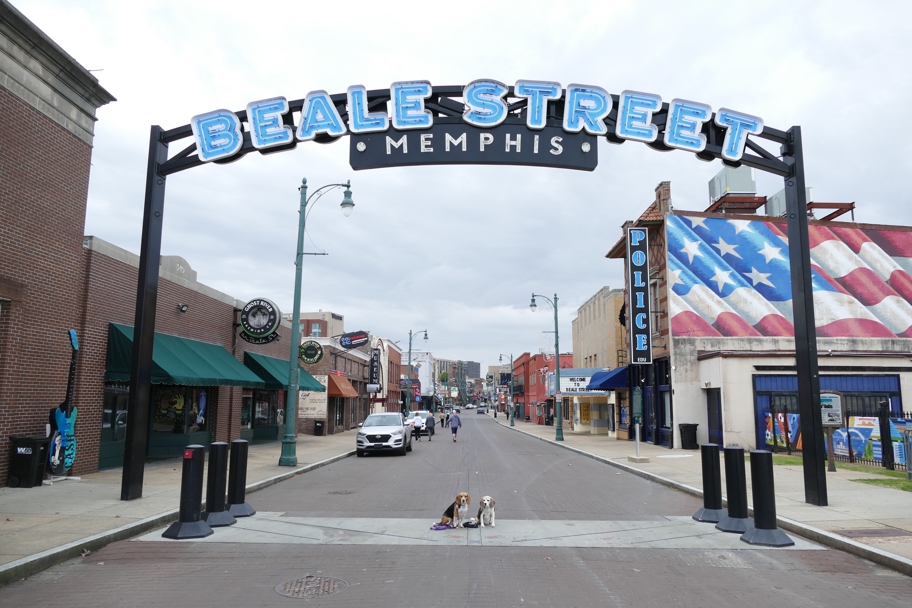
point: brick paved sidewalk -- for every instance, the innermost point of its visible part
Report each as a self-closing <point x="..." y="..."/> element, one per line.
<point x="853" y="507"/>
<point x="42" y="526"/>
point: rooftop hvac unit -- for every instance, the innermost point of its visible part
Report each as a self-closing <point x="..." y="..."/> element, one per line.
<point x="775" y="205"/>
<point x="732" y="181"/>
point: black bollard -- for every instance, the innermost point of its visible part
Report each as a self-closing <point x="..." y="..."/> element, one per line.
<point x="764" y="531"/>
<point x="216" y="513"/>
<point x="191" y="498"/>
<point x="712" y="509"/>
<point x="736" y="520"/>
<point x="237" y="480"/>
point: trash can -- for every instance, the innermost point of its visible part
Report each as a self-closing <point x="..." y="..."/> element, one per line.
<point x="318" y="428"/>
<point x="27" y="458"/>
<point x="689" y="435"/>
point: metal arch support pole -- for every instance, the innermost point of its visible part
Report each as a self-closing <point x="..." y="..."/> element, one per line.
<point x="815" y="491"/>
<point x="408" y="381"/>
<point x="137" y="438"/>
<point x="512" y="405"/>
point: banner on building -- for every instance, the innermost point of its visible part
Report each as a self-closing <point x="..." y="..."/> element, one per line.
<point x="312" y="404"/>
<point x="640" y="326"/>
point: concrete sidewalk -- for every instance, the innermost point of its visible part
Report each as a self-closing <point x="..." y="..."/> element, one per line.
<point x="869" y="521"/>
<point x="40" y="527"/>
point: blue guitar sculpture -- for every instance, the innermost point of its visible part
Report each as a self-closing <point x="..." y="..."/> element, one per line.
<point x="62" y="418"/>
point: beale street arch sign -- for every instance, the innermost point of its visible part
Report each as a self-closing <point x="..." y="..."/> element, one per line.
<point x="537" y="123"/>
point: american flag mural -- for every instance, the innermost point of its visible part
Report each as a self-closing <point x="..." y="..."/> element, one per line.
<point x="730" y="278"/>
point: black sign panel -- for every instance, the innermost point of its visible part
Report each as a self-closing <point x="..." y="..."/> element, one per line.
<point x="451" y="141"/>
<point x="374" y="375"/>
<point x="353" y="339"/>
<point x="259" y="318"/>
<point x="639" y="321"/>
<point x="504" y="378"/>
<point x="311" y="352"/>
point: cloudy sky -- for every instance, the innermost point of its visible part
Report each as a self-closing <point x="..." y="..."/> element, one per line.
<point x="458" y="250"/>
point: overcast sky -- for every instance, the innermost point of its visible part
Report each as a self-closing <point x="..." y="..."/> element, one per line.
<point x="458" y="250"/>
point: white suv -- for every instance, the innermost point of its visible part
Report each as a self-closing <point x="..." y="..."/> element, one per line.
<point x="384" y="433"/>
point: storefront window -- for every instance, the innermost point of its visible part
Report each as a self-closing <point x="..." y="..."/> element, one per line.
<point x="180" y="409"/>
<point x="264" y="408"/>
<point x="666" y="409"/>
<point x="114" y="414"/>
<point x="340" y="411"/>
<point x="247" y="410"/>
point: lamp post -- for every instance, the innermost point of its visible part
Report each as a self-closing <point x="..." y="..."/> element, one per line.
<point x="408" y="382"/>
<point x="289" y="457"/>
<point x="510" y="398"/>
<point x="559" y="432"/>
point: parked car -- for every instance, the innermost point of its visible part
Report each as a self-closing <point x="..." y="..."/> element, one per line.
<point x="481" y="410"/>
<point x="385" y="432"/>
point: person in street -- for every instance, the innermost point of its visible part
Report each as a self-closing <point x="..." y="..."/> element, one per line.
<point x="447" y="421"/>
<point x="455" y="422"/>
<point x="417" y="425"/>
<point x="431" y="421"/>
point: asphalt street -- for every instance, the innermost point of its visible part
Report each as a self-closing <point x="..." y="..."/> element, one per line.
<point x="570" y="531"/>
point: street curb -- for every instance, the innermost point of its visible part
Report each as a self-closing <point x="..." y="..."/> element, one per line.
<point x="823" y="537"/>
<point x="33" y="564"/>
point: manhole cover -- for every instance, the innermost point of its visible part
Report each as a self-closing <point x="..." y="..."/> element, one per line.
<point x="311" y="586"/>
<point x="342" y="492"/>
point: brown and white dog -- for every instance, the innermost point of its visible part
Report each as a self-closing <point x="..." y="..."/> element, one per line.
<point x="458" y="512"/>
<point x="486" y="511"/>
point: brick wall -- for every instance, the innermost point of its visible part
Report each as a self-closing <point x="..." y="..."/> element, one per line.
<point x="44" y="179"/>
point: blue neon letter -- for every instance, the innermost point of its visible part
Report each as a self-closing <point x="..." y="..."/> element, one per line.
<point x="635" y="116"/>
<point x="538" y="94"/>
<point x="638" y="258"/>
<point x="319" y="115"/>
<point x="408" y="105"/>
<point x="641" y="341"/>
<point x="640" y="295"/>
<point x="217" y="134"/>
<point x="484" y="104"/>
<point x="685" y="121"/>
<point x="738" y="126"/>
<point x="359" y="119"/>
<point x="641" y="321"/>
<point x="638" y="279"/>
<point x="636" y="236"/>
<point x="266" y="126"/>
<point x="585" y="108"/>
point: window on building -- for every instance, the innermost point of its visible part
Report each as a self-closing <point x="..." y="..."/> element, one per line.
<point x="654" y="300"/>
<point x="340" y="411"/>
<point x="316" y="330"/>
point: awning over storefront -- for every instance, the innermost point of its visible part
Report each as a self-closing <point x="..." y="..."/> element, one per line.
<point x="608" y="381"/>
<point x="339" y="386"/>
<point x="274" y="373"/>
<point x="177" y="361"/>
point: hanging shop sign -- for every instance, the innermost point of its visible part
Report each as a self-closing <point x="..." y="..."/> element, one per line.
<point x="537" y="123"/>
<point x="640" y="328"/>
<point x="260" y="319"/>
<point x="374" y="375"/>
<point x="311" y="352"/>
<point x="353" y="339"/>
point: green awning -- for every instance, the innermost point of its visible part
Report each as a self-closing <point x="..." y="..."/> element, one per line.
<point x="274" y="373"/>
<point x="177" y="361"/>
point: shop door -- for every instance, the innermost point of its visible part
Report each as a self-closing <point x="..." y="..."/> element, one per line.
<point x="714" y="415"/>
<point x="649" y="411"/>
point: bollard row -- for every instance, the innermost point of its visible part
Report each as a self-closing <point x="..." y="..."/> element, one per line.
<point x="194" y="524"/>
<point x="763" y="529"/>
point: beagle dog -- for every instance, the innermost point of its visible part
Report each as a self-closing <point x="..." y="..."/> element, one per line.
<point x="458" y="512"/>
<point x="486" y="511"/>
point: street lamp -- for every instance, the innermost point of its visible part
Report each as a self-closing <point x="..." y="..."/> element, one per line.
<point x="559" y="433"/>
<point x="510" y="399"/>
<point x="408" y="389"/>
<point x="289" y="457"/>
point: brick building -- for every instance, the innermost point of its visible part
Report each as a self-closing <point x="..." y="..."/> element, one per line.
<point x="48" y="103"/>
<point x="345" y="404"/>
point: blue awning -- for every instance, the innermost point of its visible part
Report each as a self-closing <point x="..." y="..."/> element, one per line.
<point x="608" y="381"/>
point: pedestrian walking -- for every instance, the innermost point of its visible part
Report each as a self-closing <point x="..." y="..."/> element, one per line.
<point x="447" y="422"/>
<point x="430" y="426"/>
<point x="417" y="426"/>
<point x="455" y="423"/>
